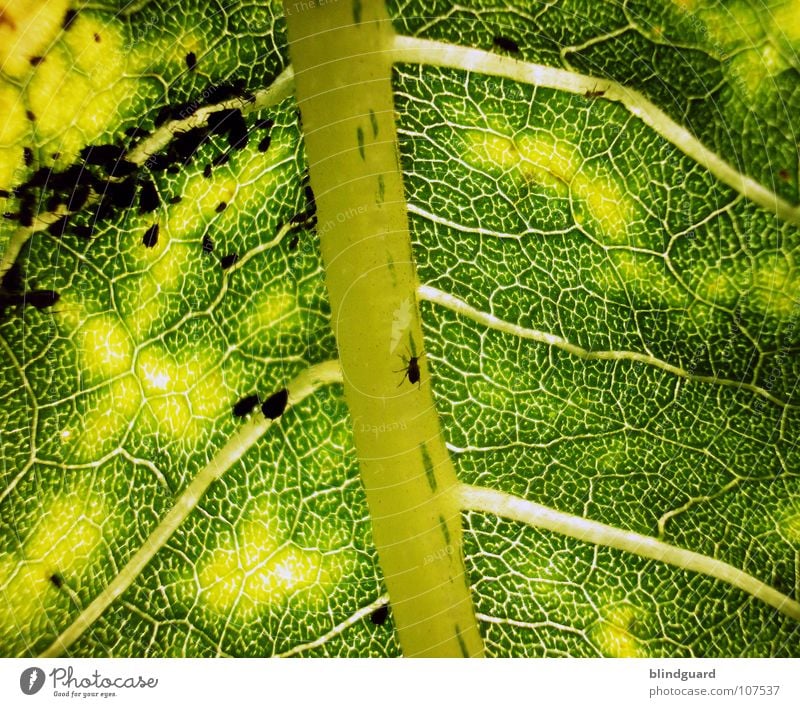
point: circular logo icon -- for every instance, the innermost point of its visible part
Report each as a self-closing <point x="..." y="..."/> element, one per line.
<point x="31" y="680"/>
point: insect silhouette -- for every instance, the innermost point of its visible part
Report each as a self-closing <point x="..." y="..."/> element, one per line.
<point x="594" y="93"/>
<point x="379" y="616"/>
<point x="274" y="406"/>
<point x="410" y="368"/>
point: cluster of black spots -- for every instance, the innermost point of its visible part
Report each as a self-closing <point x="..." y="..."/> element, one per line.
<point x="229" y="122"/>
<point x="150" y="238"/>
<point x="174" y="112"/>
<point x="191" y="61"/>
<point x="208" y="244"/>
<point x="245" y="406"/>
<point x="148" y="197"/>
<point x="12" y="292"/>
<point x="228" y="261"/>
<point x="379" y="616"/>
<point x="110" y="158"/>
<point x="185" y="145"/>
<point x="226" y="91"/>
<point x="505" y="44"/>
<point x="274" y="406"/>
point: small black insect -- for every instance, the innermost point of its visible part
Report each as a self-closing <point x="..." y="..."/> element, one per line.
<point x="245" y="406"/>
<point x="186" y="144"/>
<point x="68" y="18"/>
<point x="4" y="194"/>
<point x="150" y="237"/>
<point x="228" y="261"/>
<point x="12" y="278"/>
<point x="275" y="404"/>
<point x="293" y="243"/>
<point x="136" y="133"/>
<point x="78" y="197"/>
<point x="42" y="298"/>
<point x="102" y="155"/>
<point x="505" y="44"/>
<point x="36" y="60"/>
<point x="54" y="201"/>
<point x="191" y="61"/>
<point x="264" y="124"/>
<point x="27" y="155"/>
<point x="175" y="199"/>
<point x="410" y="368"/>
<point x="97" y="37"/>
<point x="594" y="93"/>
<point x="40" y="177"/>
<point x="263" y="146"/>
<point x="220" y="160"/>
<point x="225" y="91"/>
<point x="30" y="115"/>
<point x="208" y="244"/>
<point x="379" y="616"/>
<point x="221" y="207"/>
<point x="310" y="200"/>
<point x="148" y="197"/>
<point x="56" y="580"/>
<point x="26" y="206"/>
<point x="57" y="228"/>
<point x="69" y="179"/>
<point x="207" y="171"/>
<point x="122" y="194"/>
<point x="82" y="231"/>
<point x="157" y="163"/>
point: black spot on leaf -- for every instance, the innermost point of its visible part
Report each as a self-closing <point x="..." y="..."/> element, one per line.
<point x="41" y="298"/>
<point x="274" y="406"/>
<point x="69" y="17"/>
<point x="245" y="406"/>
<point x="379" y="616"/>
<point x="229" y="260"/>
<point x="56" y="581"/>
<point x="207" y="171"/>
<point x="150" y="237"/>
<point x="27" y="155"/>
<point x="208" y="244"/>
<point x="263" y="146"/>
<point x="191" y="61"/>
<point x="148" y="197"/>
<point x="505" y="44"/>
<point x="221" y="207"/>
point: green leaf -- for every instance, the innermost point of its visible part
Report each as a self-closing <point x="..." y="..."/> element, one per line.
<point x="579" y="221"/>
